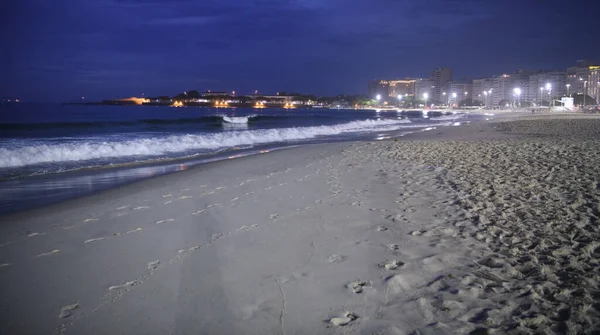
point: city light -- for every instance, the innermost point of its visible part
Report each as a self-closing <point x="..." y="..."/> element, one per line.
<point x="399" y="96"/>
<point x="425" y="95"/>
<point x="454" y="95"/>
<point x="378" y="97"/>
<point x="517" y="91"/>
<point x="548" y="86"/>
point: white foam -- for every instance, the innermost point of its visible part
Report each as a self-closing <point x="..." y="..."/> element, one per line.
<point x="30" y="153"/>
<point x="236" y="119"/>
<point x="448" y="117"/>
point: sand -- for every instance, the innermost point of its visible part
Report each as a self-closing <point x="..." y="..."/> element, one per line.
<point x="480" y="228"/>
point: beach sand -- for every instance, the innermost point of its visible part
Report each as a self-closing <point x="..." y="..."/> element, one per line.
<point x="481" y="228"/>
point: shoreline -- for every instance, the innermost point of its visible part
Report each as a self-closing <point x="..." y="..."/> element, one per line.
<point x="445" y="133"/>
<point x="454" y="230"/>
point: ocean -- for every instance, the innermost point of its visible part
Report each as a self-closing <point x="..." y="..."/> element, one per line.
<point x="53" y="152"/>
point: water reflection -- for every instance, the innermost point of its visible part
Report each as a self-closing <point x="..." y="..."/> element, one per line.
<point x="26" y="193"/>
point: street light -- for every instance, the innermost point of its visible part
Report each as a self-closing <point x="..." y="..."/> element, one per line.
<point x="399" y="99"/>
<point x="486" y="99"/>
<point x="541" y="95"/>
<point x="444" y="95"/>
<point x="568" y="86"/>
<point x="378" y="97"/>
<point x="426" y="96"/>
<point x="517" y="91"/>
<point x="549" y="88"/>
<point x="454" y="96"/>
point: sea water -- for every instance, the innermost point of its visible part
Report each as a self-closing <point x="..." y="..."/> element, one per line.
<point x="53" y="152"/>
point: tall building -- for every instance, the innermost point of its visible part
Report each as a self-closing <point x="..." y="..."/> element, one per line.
<point x="440" y="77"/>
<point x="463" y="91"/>
<point x="520" y="80"/>
<point x="402" y="87"/>
<point x="482" y="89"/>
<point x="424" y="86"/>
<point x="499" y="90"/>
<point x="593" y="87"/>
<point x="379" y="87"/>
<point x="539" y="83"/>
<point x="576" y="76"/>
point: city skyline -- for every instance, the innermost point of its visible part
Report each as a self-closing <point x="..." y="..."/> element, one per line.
<point x="581" y="78"/>
<point x="107" y="48"/>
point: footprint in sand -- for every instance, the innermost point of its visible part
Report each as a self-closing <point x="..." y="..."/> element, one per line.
<point x="65" y="312"/>
<point x="153" y="265"/>
<point x="49" y="253"/>
<point x="94" y="239"/>
<point x="134" y="231"/>
<point x="392" y="265"/>
<point x="416" y="233"/>
<point x="335" y="258"/>
<point x="382" y="228"/>
<point x="35" y="234"/>
<point x="357" y="286"/>
<point x="393" y="247"/>
<point x="164" y="221"/>
<point x="343" y="320"/>
<point x="127" y="285"/>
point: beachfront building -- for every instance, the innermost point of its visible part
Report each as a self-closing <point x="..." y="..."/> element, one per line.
<point x="520" y="80"/>
<point x="455" y="92"/>
<point x="440" y="77"/>
<point x="424" y="86"/>
<point x="483" y="89"/>
<point x="576" y="76"/>
<point x="593" y="87"/>
<point x="379" y="87"/>
<point x="392" y="88"/>
<point x="547" y="85"/>
<point x="496" y="90"/>
<point x="404" y="87"/>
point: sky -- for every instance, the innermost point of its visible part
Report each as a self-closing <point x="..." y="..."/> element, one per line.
<point x="61" y="50"/>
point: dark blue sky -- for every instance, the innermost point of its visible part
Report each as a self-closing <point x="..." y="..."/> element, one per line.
<point x="58" y="50"/>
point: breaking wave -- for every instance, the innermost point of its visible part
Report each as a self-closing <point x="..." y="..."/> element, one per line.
<point x="25" y="153"/>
